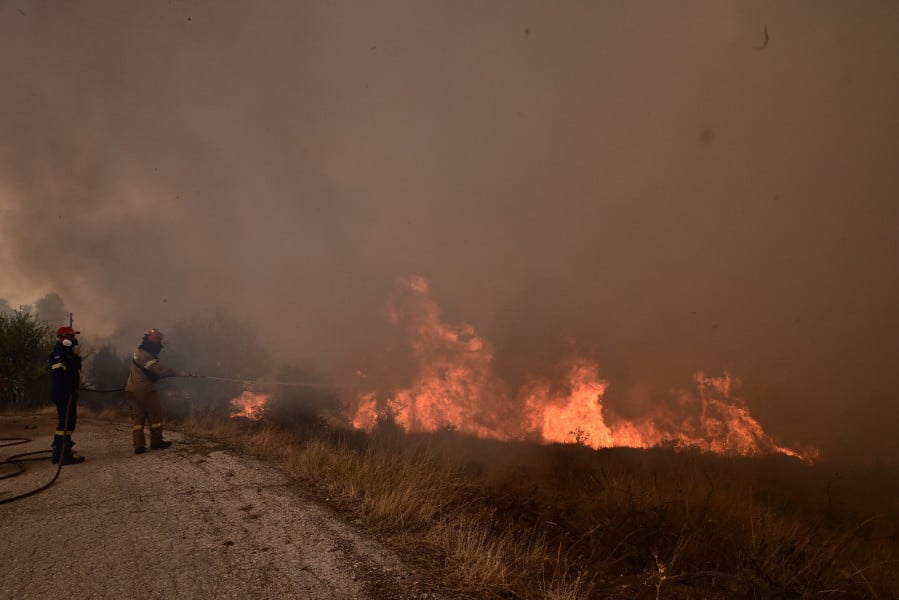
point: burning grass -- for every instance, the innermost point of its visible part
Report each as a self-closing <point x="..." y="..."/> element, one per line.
<point x="516" y="519"/>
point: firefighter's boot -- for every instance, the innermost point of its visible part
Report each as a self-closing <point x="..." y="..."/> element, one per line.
<point x="156" y="441"/>
<point x="138" y="440"/>
<point x="67" y="456"/>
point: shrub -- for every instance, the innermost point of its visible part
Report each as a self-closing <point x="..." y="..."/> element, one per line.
<point x="25" y="344"/>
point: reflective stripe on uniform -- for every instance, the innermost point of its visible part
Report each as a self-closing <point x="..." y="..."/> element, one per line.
<point x="58" y="432"/>
<point x="155" y="425"/>
<point x="150" y="363"/>
<point x="59" y="365"/>
<point x="136" y="427"/>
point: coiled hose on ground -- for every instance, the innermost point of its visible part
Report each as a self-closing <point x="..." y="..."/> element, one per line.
<point x="17" y="460"/>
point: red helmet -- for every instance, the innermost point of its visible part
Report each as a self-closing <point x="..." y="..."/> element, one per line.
<point x="66" y="330"/>
<point x="153" y="335"/>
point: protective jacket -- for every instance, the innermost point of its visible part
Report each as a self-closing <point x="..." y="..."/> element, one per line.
<point x="140" y="389"/>
<point x="146" y="370"/>
<point x="65" y="372"/>
<point x="65" y="377"/>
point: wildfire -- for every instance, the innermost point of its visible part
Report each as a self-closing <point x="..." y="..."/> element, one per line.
<point x="580" y="415"/>
<point x="458" y="388"/>
<point x="249" y="405"/>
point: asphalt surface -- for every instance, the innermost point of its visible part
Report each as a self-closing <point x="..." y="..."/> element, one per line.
<point x="194" y="521"/>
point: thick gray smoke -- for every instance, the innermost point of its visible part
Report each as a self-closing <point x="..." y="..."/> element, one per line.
<point x="666" y="188"/>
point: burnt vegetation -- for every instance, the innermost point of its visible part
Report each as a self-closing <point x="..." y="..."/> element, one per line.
<point x="523" y="520"/>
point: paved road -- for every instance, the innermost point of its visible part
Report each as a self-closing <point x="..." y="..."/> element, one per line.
<point x="194" y="521"/>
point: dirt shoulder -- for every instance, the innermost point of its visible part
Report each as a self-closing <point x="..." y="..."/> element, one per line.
<point x="193" y="521"/>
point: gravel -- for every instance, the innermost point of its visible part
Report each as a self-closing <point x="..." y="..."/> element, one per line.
<point x="194" y="521"/>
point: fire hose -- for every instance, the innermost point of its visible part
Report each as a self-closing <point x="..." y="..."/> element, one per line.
<point x="245" y="382"/>
<point x="17" y="459"/>
<point x="268" y="382"/>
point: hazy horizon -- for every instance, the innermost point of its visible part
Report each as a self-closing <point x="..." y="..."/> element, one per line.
<point x="665" y="189"/>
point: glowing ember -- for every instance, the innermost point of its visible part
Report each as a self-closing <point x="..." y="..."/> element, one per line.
<point x="456" y="387"/>
<point x="249" y="405"/>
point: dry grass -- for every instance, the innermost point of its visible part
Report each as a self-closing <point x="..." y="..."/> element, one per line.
<point x="567" y="522"/>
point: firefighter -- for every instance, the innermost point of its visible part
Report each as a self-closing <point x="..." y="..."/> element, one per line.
<point x="65" y="377"/>
<point x="146" y="370"/>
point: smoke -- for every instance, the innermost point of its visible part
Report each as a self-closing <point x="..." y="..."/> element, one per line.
<point x="636" y="183"/>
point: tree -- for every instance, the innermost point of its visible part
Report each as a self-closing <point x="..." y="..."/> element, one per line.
<point x="50" y="308"/>
<point x="5" y="308"/>
<point x="106" y="369"/>
<point x="216" y="345"/>
<point x="106" y="372"/>
<point x="25" y="344"/>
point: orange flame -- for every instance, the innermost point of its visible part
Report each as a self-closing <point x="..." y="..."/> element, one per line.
<point x="456" y="387"/>
<point x="249" y="405"/>
<point x="580" y="415"/>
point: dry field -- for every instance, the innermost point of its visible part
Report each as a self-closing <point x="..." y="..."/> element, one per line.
<point x="521" y="520"/>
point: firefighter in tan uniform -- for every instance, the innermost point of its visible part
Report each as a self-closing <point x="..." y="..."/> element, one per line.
<point x="146" y="370"/>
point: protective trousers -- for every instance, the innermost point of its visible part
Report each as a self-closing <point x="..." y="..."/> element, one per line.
<point x="145" y="408"/>
<point x="62" y="428"/>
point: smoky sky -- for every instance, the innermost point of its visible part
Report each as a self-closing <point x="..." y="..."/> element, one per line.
<point x="651" y="184"/>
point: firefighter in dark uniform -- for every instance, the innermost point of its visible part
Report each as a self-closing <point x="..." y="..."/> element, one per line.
<point x="146" y="370"/>
<point x="65" y="377"/>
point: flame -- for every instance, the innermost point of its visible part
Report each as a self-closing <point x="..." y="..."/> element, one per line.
<point x="249" y="405"/>
<point x="457" y="388"/>
<point x="579" y="415"/>
<point x="366" y="412"/>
